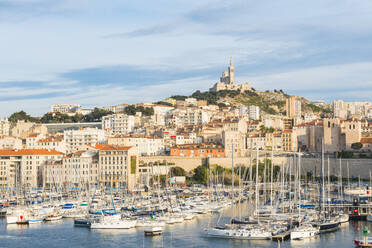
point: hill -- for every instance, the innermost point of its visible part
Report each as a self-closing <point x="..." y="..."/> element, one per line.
<point x="270" y="102"/>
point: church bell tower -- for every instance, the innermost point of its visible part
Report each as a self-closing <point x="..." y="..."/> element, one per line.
<point x="231" y="72"/>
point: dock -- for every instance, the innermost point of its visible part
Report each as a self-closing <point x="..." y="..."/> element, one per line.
<point x="282" y="236"/>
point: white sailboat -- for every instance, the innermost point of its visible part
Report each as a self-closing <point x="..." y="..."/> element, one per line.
<point x="232" y="231"/>
<point x="304" y="231"/>
<point x="113" y="222"/>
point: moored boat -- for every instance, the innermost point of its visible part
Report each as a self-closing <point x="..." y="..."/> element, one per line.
<point x="53" y="217"/>
<point x="304" y="231"/>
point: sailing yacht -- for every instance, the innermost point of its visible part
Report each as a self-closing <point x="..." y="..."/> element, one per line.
<point x="233" y="231"/>
<point x="113" y="222"/>
<point x="304" y="231"/>
<point x="238" y="233"/>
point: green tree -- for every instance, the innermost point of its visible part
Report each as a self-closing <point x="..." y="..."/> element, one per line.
<point x="164" y="103"/>
<point x="356" y="145"/>
<point x="200" y="174"/>
<point x="96" y="115"/>
<point x="177" y="171"/>
<point x="22" y="115"/>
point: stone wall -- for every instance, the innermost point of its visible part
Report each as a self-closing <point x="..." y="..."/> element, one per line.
<point x="357" y="167"/>
<point x="189" y="164"/>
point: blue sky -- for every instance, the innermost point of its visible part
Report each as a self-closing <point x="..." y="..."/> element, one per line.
<point x="100" y="53"/>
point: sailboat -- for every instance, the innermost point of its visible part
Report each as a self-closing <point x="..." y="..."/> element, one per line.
<point x="233" y="231"/>
<point x="326" y="224"/>
<point x="113" y="221"/>
<point x="304" y="230"/>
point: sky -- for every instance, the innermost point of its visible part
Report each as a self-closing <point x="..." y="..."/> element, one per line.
<point x="99" y="53"/>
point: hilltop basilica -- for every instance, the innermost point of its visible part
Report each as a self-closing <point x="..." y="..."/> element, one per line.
<point x="227" y="81"/>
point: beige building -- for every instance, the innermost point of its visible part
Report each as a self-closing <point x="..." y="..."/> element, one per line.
<point x="345" y="110"/>
<point x="21" y="168"/>
<point x="341" y="134"/>
<point x="352" y="131"/>
<point x="293" y="107"/>
<point x="23" y="129"/>
<point x="289" y="141"/>
<point x="118" y="165"/>
<point x="81" y="169"/>
<point x="116" y="108"/>
<point x="234" y="141"/>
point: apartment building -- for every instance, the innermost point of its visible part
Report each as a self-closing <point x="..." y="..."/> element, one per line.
<point x="77" y="140"/>
<point x="4" y="127"/>
<point x="203" y="150"/>
<point x="118" y="123"/>
<point x="117" y="165"/>
<point x="145" y="146"/>
<point x="64" y="108"/>
<point x="22" y="167"/>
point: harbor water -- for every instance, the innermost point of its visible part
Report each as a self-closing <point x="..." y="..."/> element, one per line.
<point x="187" y="234"/>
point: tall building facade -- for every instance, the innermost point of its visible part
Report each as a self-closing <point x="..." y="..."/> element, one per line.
<point x="293" y="107"/>
<point x="118" y="123"/>
<point x="254" y="112"/>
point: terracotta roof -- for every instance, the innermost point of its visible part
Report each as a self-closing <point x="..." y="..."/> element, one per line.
<point x="287" y="131"/>
<point x="366" y="140"/>
<point x="160" y="105"/>
<point x="8" y="152"/>
<point x="105" y="147"/>
<point x="59" y="139"/>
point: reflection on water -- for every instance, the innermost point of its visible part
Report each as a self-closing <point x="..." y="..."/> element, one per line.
<point x="115" y="231"/>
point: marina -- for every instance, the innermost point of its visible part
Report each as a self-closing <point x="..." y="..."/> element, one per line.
<point x="259" y="206"/>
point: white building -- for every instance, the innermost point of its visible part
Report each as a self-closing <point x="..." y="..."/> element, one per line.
<point x="10" y="142"/>
<point x="116" y="108"/>
<point x="243" y="111"/>
<point x="64" y="108"/>
<point x="77" y="140"/>
<point x="160" y="113"/>
<point x="52" y="143"/>
<point x="145" y="146"/>
<point x="254" y="112"/>
<point x="186" y="117"/>
<point x="4" y="127"/>
<point x="118" y="123"/>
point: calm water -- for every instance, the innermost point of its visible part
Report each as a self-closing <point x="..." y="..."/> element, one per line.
<point x="188" y="234"/>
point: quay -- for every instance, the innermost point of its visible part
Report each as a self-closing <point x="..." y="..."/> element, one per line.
<point x="282" y="236"/>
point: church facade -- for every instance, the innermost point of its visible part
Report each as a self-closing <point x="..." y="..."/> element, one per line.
<point x="227" y="81"/>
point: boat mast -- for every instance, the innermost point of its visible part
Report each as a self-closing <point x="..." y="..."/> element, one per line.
<point x="271" y="178"/>
<point x="257" y="181"/>
<point x="232" y="180"/>
<point x="322" y="172"/>
<point x="328" y="187"/>
<point x="299" y="184"/>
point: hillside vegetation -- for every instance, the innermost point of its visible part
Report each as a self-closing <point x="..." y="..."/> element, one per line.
<point x="270" y="102"/>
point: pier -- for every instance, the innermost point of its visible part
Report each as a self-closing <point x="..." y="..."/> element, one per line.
<point x="282" y="236"/>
